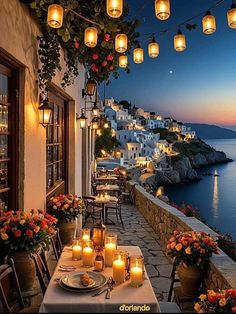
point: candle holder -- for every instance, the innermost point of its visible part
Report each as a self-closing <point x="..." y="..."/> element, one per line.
<point x="110" y="248"/>
<point x="99" y="231"/>
<point x="136" y="271"/>
<point x="77" y="247"/>
<point x="88" y="254"/>
<point x="119" y="266"/>
<point x="86" y="235"/>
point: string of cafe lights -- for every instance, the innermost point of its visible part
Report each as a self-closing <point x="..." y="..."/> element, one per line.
<point x="114" y="9"/>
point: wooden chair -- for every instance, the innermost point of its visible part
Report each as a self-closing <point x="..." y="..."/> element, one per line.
<point x="42" y="270"/>
<point x="10" y="293"/>
<point x="128" y="196"/>
<point x="92" y="209"/>
<point x="57" y="245"/>
<point x="117" y="207"/>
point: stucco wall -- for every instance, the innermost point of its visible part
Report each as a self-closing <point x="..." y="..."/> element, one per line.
<point x="18" y="39"/>
<point x="164" y="219"/>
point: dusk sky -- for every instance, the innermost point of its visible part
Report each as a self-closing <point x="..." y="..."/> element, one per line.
<point x="197" y="85"/>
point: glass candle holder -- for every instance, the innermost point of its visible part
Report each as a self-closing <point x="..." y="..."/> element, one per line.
<point x="110" y="248"/>
<point x="88" y="254"/>
<point x="119" y="266"/>
<point x="85" y="235"/>
<point x="136" y="271"/>
<point x="98" y="232"/>
<point x="77" y="249"/>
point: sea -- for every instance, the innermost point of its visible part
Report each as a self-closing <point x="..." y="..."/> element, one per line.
<point x="213" y="196"/>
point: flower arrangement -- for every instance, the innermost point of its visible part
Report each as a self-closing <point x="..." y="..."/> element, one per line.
<point x="26" y="231"/>
<point x="66" y="207"/>
<point x="187" y="209"/>
<point x="191" y="248"/>
<point x="223" y="301"/>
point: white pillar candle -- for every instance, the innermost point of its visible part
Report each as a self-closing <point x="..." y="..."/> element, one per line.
<point x="118" y="271"/>
<point x="85" y="237"/>
<point x="136" y="276"/>
<point x="109" y="252"/>
<point x="88" y="256"/>
<point x="76" y="252"/>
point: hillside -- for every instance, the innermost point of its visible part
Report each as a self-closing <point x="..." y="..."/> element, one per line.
<point x="207" y="131"/>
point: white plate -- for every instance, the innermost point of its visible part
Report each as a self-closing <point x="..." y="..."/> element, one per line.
<point x="72" y="281"/>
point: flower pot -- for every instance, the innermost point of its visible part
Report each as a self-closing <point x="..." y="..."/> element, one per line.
<point x="66" y="231"/>
<point x="190" y="278"/>
<point x="25" y="269"/>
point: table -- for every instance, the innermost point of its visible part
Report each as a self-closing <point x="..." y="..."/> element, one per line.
<point x="108" y="187"/>
<point x="107" y="178"/>
<point x="105" y="201"/>
<point x="57" y="300"/>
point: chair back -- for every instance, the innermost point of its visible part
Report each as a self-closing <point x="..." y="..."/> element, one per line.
<point x="10" y="293"/>
<point x="57" y="245"/>
<point x="41" y="269"/>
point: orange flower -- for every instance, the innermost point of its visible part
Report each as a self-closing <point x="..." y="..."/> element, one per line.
<point x="202" y="297"/>
<point x="188" y="250"/>
<point x="222" y="302"/>
<point x="4" y="236"/>
<point x="178" y="247"/>
<point x="173" y="244"/>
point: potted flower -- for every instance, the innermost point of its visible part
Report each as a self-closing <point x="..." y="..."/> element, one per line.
<point x="191" y="251"/>
<point x="22" y="233"/>
<point x="222" y="301"/>
<point x="67" y="209"/>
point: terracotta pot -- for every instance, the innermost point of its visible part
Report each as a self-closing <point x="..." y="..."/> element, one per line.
<point x="190" y="278"/>
<point x="66" y="231"/>
<point x="25" y="269"/>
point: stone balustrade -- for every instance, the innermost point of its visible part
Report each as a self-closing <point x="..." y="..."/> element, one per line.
<point x="164" y="219"/>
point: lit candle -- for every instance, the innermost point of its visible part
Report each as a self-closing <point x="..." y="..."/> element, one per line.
<point x="88" y="256"/>
<point x="109" y="252"/>
<point x="86" y="235"/>
<point x="119" y="267"/>
<point x="136" y="271"/>
<point x="76" y="251"/>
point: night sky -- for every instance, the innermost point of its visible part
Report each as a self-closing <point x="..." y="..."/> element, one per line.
<point x="197" y="85"/>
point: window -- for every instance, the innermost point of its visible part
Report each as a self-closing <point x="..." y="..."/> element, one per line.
<point x="8" y="137"/>
<point x="56" y="147"/>
<point x="132" y="148"/>
<point x="136" y="148"/>
<point x="125" y="137"/>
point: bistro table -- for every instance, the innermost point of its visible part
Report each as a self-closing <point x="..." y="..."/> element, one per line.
<point x="57" y="300"/>
<point x="108" y="188"/>
<point x="106" y="200"/>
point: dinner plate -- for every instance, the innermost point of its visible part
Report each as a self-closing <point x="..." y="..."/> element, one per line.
<point x="72" y="281"/>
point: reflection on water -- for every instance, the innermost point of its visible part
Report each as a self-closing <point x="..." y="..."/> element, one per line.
<point x="215" y="201"/>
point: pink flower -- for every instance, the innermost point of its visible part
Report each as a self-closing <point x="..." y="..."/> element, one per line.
<point x="17" y="233"/>
<point x="104" y="63"/>
<point x="110" y="57"/>
<point x="111" y="68"/>
<point x="76" y="45"/>
<point x="94" y="68"/>
<point x="95" y="56"/>
<point x="107" y="37"/>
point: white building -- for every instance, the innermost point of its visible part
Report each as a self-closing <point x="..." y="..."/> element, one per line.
<point x="152" y="124"/>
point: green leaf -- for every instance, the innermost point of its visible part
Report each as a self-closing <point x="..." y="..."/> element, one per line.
<point x="33" y="5"/>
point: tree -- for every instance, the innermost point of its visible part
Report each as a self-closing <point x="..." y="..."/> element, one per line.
<point x="125" y="104"/>
<point x="105" y="142"/>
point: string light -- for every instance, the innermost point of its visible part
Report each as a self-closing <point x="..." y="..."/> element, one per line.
<point x="55" y="16"/>
<point x="123" y="61"/>
<point x="91" y="37"/>
<point x="153" y="49"/>
<point x="121" y="43"/>
<point x="162" y="9"/>
<point x="231" y="16"/>
<point x="179" y="41"/>
<point x="138" y="55"/>
<point x="114" y="8"/>
<point x="208" y="23"/>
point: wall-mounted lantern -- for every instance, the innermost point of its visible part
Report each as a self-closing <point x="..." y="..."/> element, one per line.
<point x="45" y="112"/>
<point x="82" y="120"/>
<point x="90" y="88"/>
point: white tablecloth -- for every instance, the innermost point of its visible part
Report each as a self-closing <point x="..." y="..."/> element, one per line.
<point x="124" y="298"/>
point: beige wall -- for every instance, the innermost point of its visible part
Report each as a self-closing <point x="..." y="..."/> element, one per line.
<point x="18" y="40"/>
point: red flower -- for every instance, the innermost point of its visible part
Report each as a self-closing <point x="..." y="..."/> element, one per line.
<point x="43" y="224"/>
<point x="104" y="63"/>
<point x="76" y="45"/>
<point x="29" y="233"/>
<point x="94" y="68"/>
<point x="231" y="293"/>
<point x="111" y="68"/>
<point x="234" y="309"/>
<point x="110" y="57"/>
<point x="17" y="233"/>
<point x="95" y="56"/>
<point x="203" y="251"/>
<point x="107" y="37"/>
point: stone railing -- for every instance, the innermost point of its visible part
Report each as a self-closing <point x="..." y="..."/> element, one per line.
<point x="164" y="219"/>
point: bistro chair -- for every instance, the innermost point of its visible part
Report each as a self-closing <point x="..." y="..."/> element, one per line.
<point x="92" y="209"/>
<point x="10" y="292"/>
<point x="41" y="269"/>
<point x="56" y="244"/>
<point x="128" y="196"/>
<point x="117" y="208"/>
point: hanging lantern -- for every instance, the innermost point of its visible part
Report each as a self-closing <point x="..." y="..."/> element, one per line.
<point x="114" y="8"/>
<point x="153" y="49"/>
<point x="162" y="9"/>
<point x="231" y="16"/>
<point x="55" y="16"/>
<point x="179" y="41"/>
<point x="95" y="123"/>
<point x="121" y="43"/>
<point x="95" y="110"/>
<point x="90" y="87"/>
<point x="91" y="37"/>
<point x="208" y="23"/>
<point x="138" y="55"/>
<point x="82" y="120"/>
<point x="106" y="125"/>
<point x="45" y="113"/>
<point x="123" y="61"/>
<point x="99" y="132"/>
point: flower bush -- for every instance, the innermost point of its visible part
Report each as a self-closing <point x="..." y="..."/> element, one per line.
<point x="191" y="248"/>
<point x="187" y="209"/>
<point x="223" y="301"/>
<point x="27" y="231"/>
<point x="66" y="207"/>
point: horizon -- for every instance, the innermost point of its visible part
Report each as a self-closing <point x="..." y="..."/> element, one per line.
<point x="195" y="85"/>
